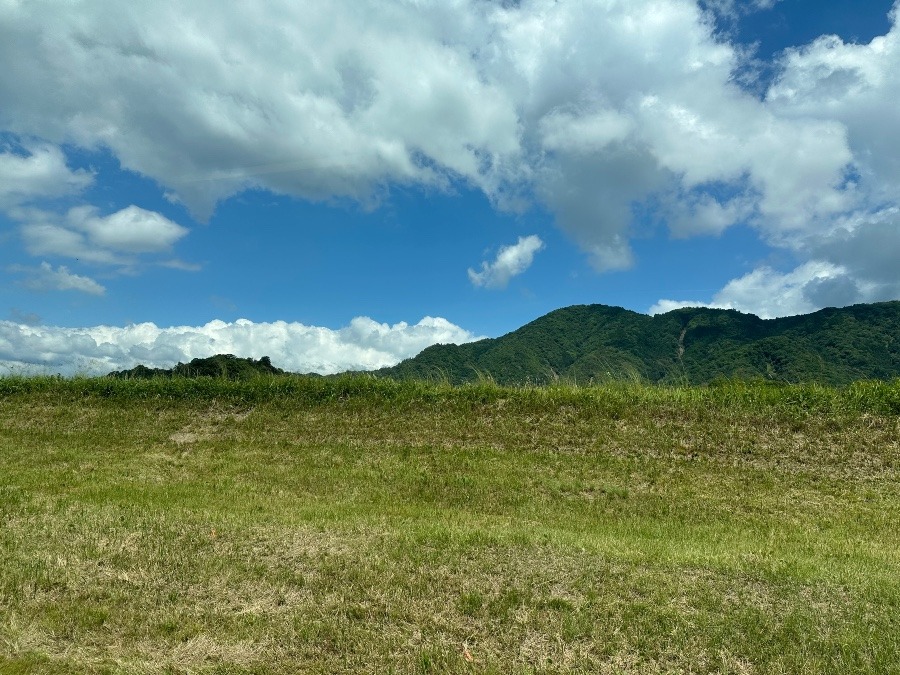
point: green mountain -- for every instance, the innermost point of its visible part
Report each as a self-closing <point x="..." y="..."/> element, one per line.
<point x="692" y="345"/>
<point x="221" y="365"/>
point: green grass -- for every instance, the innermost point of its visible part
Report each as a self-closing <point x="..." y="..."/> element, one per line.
<point x="284" y="525"/>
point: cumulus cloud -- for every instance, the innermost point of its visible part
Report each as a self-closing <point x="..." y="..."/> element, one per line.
<point x="510" y="262"/>
<point x="769" y="293"/>
<point x="333" y="98"/>
<point x="133" y="229"/>
<point x="701" y="214"/>
<point x="84" y="234"/>
<point x="346" y="98"/>
<point x="849" y="232"/>
<point x="39" y="172"/>
<point x="857" y="86"/>
<point x="46" y="278"/>
<point x="364" y="344"/>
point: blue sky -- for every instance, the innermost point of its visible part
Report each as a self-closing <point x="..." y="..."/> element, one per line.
<point x="341" y="184"/>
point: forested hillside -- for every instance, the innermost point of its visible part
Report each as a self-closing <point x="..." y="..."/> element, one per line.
<point x="693" y="345"/>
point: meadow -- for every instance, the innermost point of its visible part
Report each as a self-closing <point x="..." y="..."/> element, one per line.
<point x="355" y="524"/>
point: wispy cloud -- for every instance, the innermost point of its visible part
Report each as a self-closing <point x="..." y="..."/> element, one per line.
<point x="46" y="278"/>
<point x="734" y="9"/>
<point x="510" y="262"/>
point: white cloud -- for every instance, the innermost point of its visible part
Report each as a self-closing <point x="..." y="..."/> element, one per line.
<point x="510" y="262"/>
<point x="46" y="278"/>
<point x="41" y="173"/>
<point x="44" y="237"/>
<point x="583" y="133"/>
<point x="331" y="98"/>
<point x="346" y="98"/>
<point x="857" y="86"/>
<point x="84" y="234"/>
<point x="703" y="214"/>
<point x="363" y="345"/>
<point x="182" y="265"/>
<point x="132" y="230"/>
<point x="848" y="233"/>
<point x="663" y="306"/>
<point x="769" y="293"/>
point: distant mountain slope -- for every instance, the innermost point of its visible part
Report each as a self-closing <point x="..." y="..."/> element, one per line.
<point x="695" y="345"/>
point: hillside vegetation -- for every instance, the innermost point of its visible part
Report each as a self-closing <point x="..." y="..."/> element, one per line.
<point x="225" y="366"/>
<point x="355" y="524"/>
<point x="598" y="343"/>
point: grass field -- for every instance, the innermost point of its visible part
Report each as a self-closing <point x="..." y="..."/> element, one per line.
<point x="357" y="525"/>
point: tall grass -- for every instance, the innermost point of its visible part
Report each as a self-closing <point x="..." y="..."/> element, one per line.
<point x="875" y="396"/>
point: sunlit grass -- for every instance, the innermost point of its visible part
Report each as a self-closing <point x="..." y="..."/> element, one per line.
<point x="294" y="524"/>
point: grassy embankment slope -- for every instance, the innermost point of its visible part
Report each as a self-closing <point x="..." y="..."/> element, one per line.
<point x="288" y="525"/>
